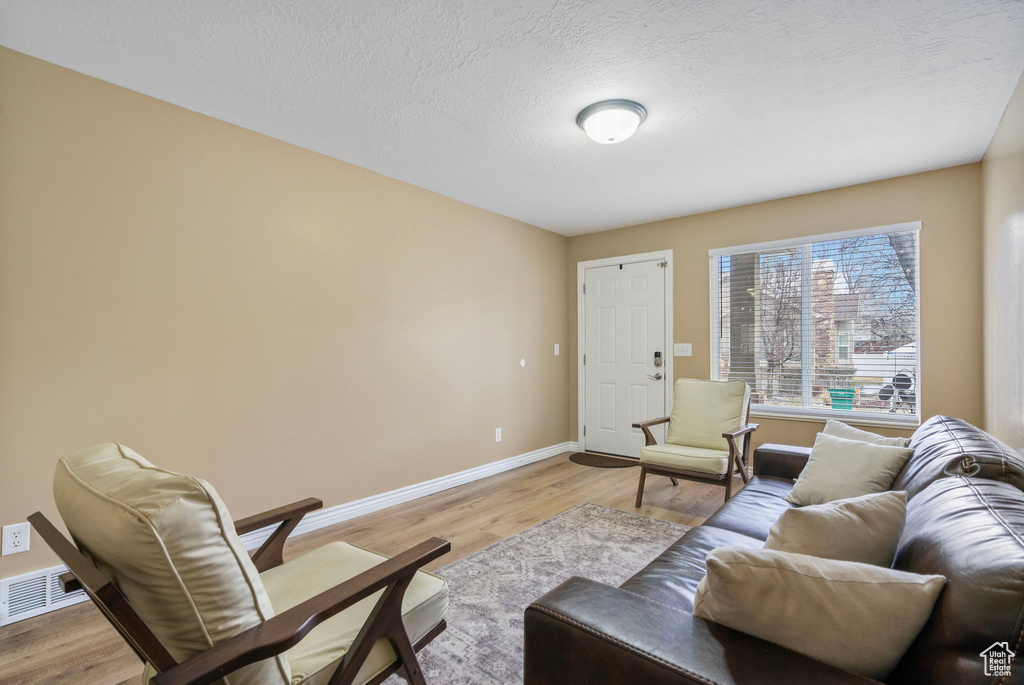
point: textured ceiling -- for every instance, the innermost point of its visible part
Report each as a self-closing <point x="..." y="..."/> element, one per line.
<point x="476" y="100"/>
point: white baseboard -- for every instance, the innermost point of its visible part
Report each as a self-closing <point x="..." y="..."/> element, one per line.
<point x="322" y="518"/>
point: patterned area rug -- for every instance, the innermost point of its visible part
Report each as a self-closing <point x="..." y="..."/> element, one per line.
<point x="490" y="589"/>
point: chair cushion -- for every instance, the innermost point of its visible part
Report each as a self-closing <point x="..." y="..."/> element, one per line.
<point x="703" y="410"/>
<point x="688" y="458"/>
<point x="168" y="542"/>
<point x="315" y="658"/>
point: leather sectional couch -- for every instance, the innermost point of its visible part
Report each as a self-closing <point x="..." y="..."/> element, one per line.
<point x="965" y="521"/>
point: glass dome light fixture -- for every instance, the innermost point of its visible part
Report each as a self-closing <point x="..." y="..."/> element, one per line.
<point x="611" y="121"/>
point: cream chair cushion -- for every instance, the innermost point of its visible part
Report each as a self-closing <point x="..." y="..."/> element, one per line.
<point x="168" y="542"/>
<point x="315" y="658"/>
<point x="687" y="458"/>
<point x="703" y="410"/>
<point x="858" y="617"/>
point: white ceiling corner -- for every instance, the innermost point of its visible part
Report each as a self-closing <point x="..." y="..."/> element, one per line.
<point x="749" y="100"/>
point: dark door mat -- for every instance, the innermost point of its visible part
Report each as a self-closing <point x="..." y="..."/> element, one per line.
<point x="602" y="461"/>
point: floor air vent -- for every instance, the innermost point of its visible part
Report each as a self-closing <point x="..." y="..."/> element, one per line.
<point x="26" y="596"/>
<point x="35" y="593"/>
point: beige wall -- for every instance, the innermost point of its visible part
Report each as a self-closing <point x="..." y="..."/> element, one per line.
<point x="278" y="322"/>
<point x="288" y="325"/>
<point x="1003" y="178"/>
<point x="947" y="202"/>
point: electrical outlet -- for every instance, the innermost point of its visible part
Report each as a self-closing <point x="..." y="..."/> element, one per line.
<point x="497" y="435"/>
<point x="15" y="538"/>
<point x="556" y="349"/>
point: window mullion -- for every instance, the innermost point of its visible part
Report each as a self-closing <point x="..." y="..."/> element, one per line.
<point x="806" y="324"/>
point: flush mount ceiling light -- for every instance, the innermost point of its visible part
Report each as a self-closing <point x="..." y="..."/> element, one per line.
<point x="611" y="121"/>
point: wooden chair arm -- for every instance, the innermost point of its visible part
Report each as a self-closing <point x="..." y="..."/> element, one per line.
<point x="279" y="515"/>
<point x="285" y="630"/>
<point x="652" y="422"/>
<point x="68" y="582"/>
<point x="645" y="426"/>
<point x="739" y="454"/>
<point x="749" y="428"/>
<point x="271" y="552"/>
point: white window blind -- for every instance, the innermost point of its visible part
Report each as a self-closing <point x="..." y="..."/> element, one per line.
<point x="823" y="326"/>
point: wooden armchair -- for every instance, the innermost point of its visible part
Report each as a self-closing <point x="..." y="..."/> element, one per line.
<point x="314" y="598"/>
<point x="701" y="412"/>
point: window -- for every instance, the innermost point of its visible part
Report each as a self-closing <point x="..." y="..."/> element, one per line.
<point x="843" y="340"/>
<point x="822" y="327"/>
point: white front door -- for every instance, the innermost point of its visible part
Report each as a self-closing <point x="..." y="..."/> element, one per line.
<point x="624" y="310"/>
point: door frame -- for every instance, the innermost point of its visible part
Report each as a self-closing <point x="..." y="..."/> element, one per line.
<point x="581" y="329"/>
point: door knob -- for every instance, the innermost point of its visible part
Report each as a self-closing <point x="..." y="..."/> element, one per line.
<point x="655" y="377"/>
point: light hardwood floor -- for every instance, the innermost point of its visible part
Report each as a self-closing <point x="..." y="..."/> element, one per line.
<point x="76" y="646"/>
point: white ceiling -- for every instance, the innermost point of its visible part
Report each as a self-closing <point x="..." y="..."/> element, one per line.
<point x="749" y="100"/>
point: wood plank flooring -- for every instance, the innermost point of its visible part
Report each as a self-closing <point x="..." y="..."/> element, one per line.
<point x="76" y="646"/>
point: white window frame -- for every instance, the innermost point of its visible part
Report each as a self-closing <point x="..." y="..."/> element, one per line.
<point x="807" y="413"/>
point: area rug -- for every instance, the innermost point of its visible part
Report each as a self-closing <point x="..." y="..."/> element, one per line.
<point x="490" y="589"/>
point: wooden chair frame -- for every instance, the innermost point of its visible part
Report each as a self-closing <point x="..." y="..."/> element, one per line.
<point x="279" y="633"/>
<point x="739" y="457"/>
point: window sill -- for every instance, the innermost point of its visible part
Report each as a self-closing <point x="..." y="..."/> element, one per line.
<point x="899" y="421"/>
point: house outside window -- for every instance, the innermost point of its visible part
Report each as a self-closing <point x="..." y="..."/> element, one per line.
<point x="823" y="327"/>
<point x="843" y="327"/>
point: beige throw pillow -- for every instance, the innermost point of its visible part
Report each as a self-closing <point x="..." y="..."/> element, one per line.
<point x="864" y="529"/>
<point x="839" y="468"/>
<point x="857" y="617"/>
<point x="842" y="430"/>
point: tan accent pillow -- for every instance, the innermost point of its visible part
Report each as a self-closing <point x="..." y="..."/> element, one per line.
<point x="842" y="430"/>
<point x="857" y="617"/>
<point x="168" y="542"/>
<point x="703" y="410"/>
<point x="864" y="529"/>
<point x="839" y="468"/>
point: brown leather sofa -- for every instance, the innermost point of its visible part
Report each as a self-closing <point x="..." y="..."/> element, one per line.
<point x="965" y="521"/>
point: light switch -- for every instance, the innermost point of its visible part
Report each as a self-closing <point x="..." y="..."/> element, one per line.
<point x="683" y="349"/>
<point x="556" y="349"/>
